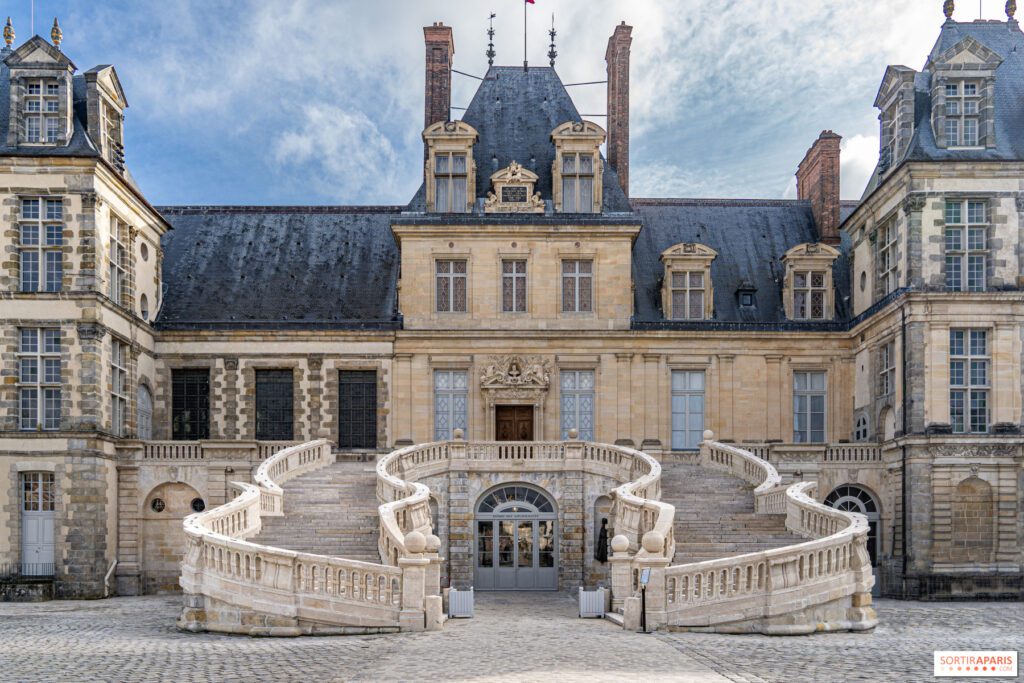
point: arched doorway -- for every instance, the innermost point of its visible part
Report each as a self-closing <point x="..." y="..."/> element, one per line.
<point x="516" y="540"/>
<point x="163" y="539"/>
<point x="851" y="498"/>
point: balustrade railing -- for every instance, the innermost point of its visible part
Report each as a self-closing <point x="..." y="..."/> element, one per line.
<point x="208" y="450"/>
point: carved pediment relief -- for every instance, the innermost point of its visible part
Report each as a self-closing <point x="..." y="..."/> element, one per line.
<point x="689" y="250"/>
<point x="812" y="250"/>
<point x="513" y="191"/>
<point x="528" y="372"/>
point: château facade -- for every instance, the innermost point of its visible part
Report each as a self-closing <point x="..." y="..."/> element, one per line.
<point x="151" y="356"/>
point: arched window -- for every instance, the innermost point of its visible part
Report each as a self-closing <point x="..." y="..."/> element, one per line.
<point x="515" y="499"/>
<point x="144" y="409"/>
<point x="849" y="498"/>
<point x="973" y="537"/>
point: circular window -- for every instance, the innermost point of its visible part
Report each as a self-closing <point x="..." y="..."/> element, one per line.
<point x="158" y="505"/>
<point x="198" y="505"/>
<point x="144" y="251"/>
<point x="144" y="307"/>
<point x="863" y="280"/>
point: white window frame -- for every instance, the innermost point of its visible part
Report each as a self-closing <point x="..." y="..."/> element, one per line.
<point x="805" y="294"/>
<point x="963" y="113"/>
<point x="39" y="378"/>
<point x="574" y="276"/>
<point x="804" y="394"/>
<point x="448" y="179"/>
<point x="453" y="279"/>
<point x="887" y="369"/>
<point x="682" y="282"/>
<point x="513" y="279"/>
<point x="451" y="403"/>
<point x="970" y="372"/>
<point x="687" y="387"/>
<point x="119" y="360"/>
<point x="576" y="197"/>
<point x="42" y="122"/>
<point x="41" y="243"/>
<point x="966" y="245"/>
<point x="886" y="241"/>
<point x="578" y="396"/>
<point x="118" y="258"/>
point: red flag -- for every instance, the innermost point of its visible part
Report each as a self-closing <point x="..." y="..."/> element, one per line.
<point x="531" y="2"/>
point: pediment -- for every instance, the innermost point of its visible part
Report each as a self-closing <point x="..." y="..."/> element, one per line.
<point x="513" y="191"/>
<point x="812" y="250"/>
<point x="37" y="53"/>
<point x="451" y="129"/>
<point x="689" y="250"/>
<point x="968" y="52"/>
<point x="514" y="173"/>
<point x="587" y="129"/>
<point x="895" y="77"/>
<point x="106" y="78"/>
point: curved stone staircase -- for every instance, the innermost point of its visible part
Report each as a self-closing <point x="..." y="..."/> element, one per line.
<point x="331" y="511"/>
<point x="715" y="515"/>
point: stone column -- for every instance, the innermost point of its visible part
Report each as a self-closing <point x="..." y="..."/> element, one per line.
<point x="651" y="366"/>
<point x="623" y="423"/>
<point x="460" y="518"/>
<point x="573" y="515"/>
<point x="402" y="396"/>
<point x="773" y="408"/>
<point x="726" y="386"/>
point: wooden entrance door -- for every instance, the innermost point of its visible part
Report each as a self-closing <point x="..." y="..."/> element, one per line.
<point x="513" y="423"/>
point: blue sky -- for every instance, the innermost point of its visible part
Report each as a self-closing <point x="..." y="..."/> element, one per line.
<point x="321" y="102"/>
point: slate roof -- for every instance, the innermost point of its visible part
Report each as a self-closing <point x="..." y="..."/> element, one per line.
<point x="514" y="111"/>
<point x="280" y="267"/>
<point x="750" y="236"/>
<point x="1006" y="40"/>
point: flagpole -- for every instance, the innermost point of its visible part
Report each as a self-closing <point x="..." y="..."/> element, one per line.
<point x="525" y="65"/>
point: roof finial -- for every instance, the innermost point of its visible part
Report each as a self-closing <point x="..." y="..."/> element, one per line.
<point x="490" y="42"/>
<point x="56" y="35"/>
<point x="552" y="53"/>
<point x="947" y="8"/>
<point x="9" y="33"/>
<point x="1011" y="9"/>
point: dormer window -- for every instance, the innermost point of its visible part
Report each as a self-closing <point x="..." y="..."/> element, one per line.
<point x="577" y="183"/>
<point x="809" y="291"/>
<point x="809" y="295"/>
<point x="41" y="112"/>
<point x="113" y="145"/>
<point x="962" y="108"/>
<point x="577" y="171"/>
<point x="963" y="95"/>
<point x="450" y="172"/>
<point x="688" y="295"/>
<point x="450" y="183"/>
<point x="687" y="291"/>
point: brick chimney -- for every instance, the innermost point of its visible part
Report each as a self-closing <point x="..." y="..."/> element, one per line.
<point x="817" y="181"/>
<point x="617" y="57"/>
<point x="440" y="50"/>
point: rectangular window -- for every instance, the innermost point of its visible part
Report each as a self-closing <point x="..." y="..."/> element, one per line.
<point x="190" y="404"/>
<point x="808" y="407"/>
<point x="513" y="286"/>
<point x="39" y="378"/>
<point x="451" y="286"/>
<point x="450" y="183"/>
<point x="969" y="381"/>
<point x="885" y="244"/>
<point x="577" y="286"/>
<point x="687" y="409"/>
<point x="809" y="295"/>
<point x="577" y="387"/>
<point x="887" y="369"/>
<point x="118" y="258"/>
<point x="40" y="244"/>
<point x="450" y="403"/>
<point x="357" y="408"/>
<point x="118" y="387"/>
<point x="966" y="243"/>
<point x="274" y="405"/>
<point x="688" y="295"/>
<point x="42" y="96"/>
<point x="962" y="107"/>
<point x="577" y="183"/>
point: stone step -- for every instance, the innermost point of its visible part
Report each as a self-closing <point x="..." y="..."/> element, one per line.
<point x="615" y="617"/>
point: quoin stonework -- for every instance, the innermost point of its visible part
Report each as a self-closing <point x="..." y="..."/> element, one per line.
<point x="319" y="419"/>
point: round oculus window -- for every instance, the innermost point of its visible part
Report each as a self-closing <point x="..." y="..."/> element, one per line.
<point x="198" y="505"/>
<point x="144" y="251"/>
<point x="158" y="505"/>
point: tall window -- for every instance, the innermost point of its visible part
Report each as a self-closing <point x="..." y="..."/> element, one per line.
<point x="966" y="246"/>
<point x="450" y="182"/>
<point x="808" y="407"/>
<point x="577" y="183"/>
<point x="688" y="295"/>
<point x="885" y="244"/>
<point x="144" y="413"/>
<point x="190" y="404"/>
<point x="577" y="387"/>
<point x="577" y="286"/>
<point x="809" y="295"/>
<point x="41" y="111"/>
<point x="887" y="369"/>
<point x="687" y="409"/>
<point x="111" y="131"/>
<point x="962" y="105"/>
<point x="357" y="409"/>
<point x="969" y="380"/>
<point x="451" y="286"/>
<point x="274" y="409"/>
<point x="118" y="261"/>
<point x="513" y="286"/>
<point x="890" y="133"/>
<point x="118" y="387"/>
<point x="40" y="242"/>
<point x="450" y="403"/>
<point x="39" y="378"/>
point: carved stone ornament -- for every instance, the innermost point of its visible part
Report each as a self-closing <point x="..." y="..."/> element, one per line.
<point x="91" y="331"/>
<point x="913" y="202"/>
<point x="500" y="372"/>
<point x="513" y="191"/>
<point x="1020" y="202"/>
<point x="230" y="363"/>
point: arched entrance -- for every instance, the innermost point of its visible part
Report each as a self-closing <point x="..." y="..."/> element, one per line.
<point x="516" y="540"/>
<point x="851" y="498"/>
<point x="163" y="539"/>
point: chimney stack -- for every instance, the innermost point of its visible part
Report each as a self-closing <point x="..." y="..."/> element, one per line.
<point x="440" y="50"/>
<point x="817" y="181"/>
<point x="617" y="57"/>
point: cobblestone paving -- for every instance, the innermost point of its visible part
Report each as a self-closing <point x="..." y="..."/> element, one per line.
<point x="514" y="637"/>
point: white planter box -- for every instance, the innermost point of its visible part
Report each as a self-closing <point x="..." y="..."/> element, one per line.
<point x="460" y="604"/>
<point x="593" y="604"/>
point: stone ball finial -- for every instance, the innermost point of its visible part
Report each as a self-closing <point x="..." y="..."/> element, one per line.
<point x="620" y="544"/>
<point x="574" y="434"/>
<point x="415" y="542"/>
<point x="458" y="434"/>
<point x="433" y="543"/>
<point x="1011" y="9"/>
<point x="653" y="542"/>
<point x="948" y="8"/>
<point x="708" y="435"/>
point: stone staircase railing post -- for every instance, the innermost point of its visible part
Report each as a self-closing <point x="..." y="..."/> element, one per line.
<point x="657" y="599"/>
<point x="414" y="573"/>
<point x="457" y="452"/>
<point x="432" y="581"/>
<point x="622" y="572"/>
<point x="573" y="452"/>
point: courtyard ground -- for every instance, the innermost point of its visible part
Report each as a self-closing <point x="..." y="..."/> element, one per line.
<point x="514" y="637"/>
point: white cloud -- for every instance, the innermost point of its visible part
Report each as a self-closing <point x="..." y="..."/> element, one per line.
<point x="858" y="160"/>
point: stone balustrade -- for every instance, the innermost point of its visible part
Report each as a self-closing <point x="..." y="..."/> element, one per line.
<point x="818" y="452"/>
<point x="253" y="451"/>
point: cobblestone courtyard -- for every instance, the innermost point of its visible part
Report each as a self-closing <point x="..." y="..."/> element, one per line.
<point x="514" y="637"/>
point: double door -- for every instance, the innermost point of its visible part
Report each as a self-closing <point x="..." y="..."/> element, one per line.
<point x="513" y="423"/>
<point x="514" y="553"/>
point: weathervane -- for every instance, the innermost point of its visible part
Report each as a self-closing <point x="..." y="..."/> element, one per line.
<point x="552" y="53"/>
<point x="490" y="42"/>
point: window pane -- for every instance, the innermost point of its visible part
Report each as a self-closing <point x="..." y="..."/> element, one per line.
<point x="29" y="235"/>
<point x="569" y="294"/>
<point x="586" y="302"/>
<point x="357" y="414"/>
<point x="441" y="163"/>
<point x="459" y="294"/>
<point x="29" y="271"/>
<point x="274" y="405"/>
<point x="976" y="212"/>
<point x="458" y="163"/>
<point x="979" y="343"/>
<point x="954" y="213"/>
<point x="586" y="203"/>
<point x="696" y="311"/>
<point x="569" y="195"/>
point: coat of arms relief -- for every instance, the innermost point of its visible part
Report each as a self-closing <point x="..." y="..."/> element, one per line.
<point x="533" y="372"/>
